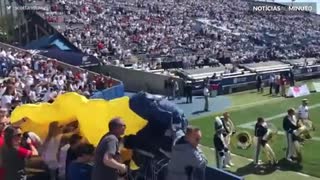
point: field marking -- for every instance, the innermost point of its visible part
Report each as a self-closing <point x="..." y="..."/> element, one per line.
<point x="305" y="175"/>
<point x="243" y="106"/>
<point x="251" y="160"/>
<point x="250" y="125"/>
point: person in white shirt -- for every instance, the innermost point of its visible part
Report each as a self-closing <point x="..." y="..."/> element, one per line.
<point x="206" y="94"/>
<point x="7" y="97"/>
<point x="303" y="115"/>
<point x="62" y="161"/>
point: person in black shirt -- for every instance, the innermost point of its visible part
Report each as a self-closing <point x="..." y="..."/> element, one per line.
<point x="74" y="141"/>
<point x="291" y="128"/>
<point x="262" y="133"/>
<point x="259" y="84"/>
<point x="188" y="91"/>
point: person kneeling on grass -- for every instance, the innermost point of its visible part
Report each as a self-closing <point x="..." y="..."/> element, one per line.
<point x="80" y="169"/>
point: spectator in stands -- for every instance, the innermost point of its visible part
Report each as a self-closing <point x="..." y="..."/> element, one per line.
<point x="75" y="142"/>
<point x="187" y="160"/>
<point x="51" y="147"/>
<point x="81" y="168"/>
<point x="8" y="96"/>
<point x="13" y="155"/>
<point x="106" y="162"/>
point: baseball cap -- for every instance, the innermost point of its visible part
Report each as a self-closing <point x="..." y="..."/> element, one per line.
<point x="304" y="100"/>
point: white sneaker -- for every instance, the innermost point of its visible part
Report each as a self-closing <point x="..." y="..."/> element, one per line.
<point x="231" y="164"/>
<point x="289" y="159"/>
<point x="226" y="166"/>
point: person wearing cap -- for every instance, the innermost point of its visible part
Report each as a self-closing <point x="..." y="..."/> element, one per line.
<point x="303" y="114"/>
<point x="221" y="149"/>
<point x="228" y="130"/>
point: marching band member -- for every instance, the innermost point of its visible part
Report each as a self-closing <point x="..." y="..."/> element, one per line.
<point x="262" y="133"/>
<point x="290" y="126"/>
<point x="228" y="130"/>
<point x="303" y="115"/>
<point x="220" y="147"/>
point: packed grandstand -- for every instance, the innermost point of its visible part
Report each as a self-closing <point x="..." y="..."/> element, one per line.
<point x="188" y="31"/>
<point x="205" y="48"/>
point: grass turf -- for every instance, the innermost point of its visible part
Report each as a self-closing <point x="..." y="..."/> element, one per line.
<point x="265" y="106"/>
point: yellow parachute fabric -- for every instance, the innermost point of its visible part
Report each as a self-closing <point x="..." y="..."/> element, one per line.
<point x="93" y="115"/>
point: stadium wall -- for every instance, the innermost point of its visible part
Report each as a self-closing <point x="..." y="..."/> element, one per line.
<point x="110" y="93"/>
<point x="136" y="80"/>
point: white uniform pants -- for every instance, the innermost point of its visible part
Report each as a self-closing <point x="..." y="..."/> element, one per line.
<point x="227" y="154"/>
<point x="220" y="159"/>
<point x="292" y="146"/>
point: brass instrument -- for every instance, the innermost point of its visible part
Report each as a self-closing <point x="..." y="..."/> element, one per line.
<point x="243" y="140"/>
<point x="304" y="130"/>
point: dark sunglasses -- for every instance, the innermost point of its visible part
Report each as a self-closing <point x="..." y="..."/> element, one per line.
<point x="122" y="125"/>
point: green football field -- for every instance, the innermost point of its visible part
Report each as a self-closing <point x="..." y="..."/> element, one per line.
<point x="246" y="107"/>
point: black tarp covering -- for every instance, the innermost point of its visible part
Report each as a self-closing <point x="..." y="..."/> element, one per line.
<point x="73" y="58"/>
<point x="161" y="115"/>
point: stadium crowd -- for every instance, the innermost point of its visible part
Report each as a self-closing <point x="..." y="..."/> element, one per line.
<point x="188" y="31"/>
<point x="29" y="78"/>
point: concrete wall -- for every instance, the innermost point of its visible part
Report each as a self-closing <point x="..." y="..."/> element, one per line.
<point x="135" y="80"/>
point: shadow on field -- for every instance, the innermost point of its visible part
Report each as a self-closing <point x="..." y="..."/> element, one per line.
<point x="289" y="166"/>
<point x="266" y="169"/>
<point x="251" y="169"/>
<point x="199" y="112"/>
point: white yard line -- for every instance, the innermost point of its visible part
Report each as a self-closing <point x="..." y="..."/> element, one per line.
<point x="305" y="175"/>
<point x="242" y="106"/>
<point x="250" y="125"/>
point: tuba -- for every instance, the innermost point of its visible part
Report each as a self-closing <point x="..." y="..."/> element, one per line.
<point x="243" y="140"/>
<point x="303" y="132"/>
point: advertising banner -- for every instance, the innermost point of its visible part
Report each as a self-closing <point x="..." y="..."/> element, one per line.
<point x="316" y="86"/>
<point x="298" y="91"/>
